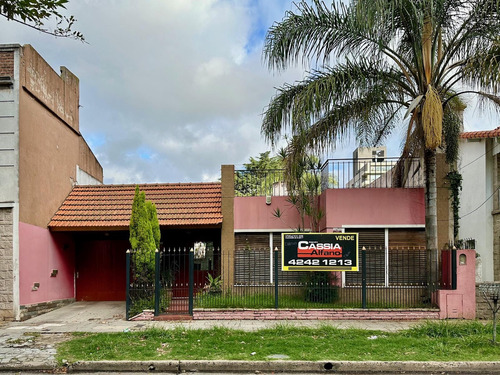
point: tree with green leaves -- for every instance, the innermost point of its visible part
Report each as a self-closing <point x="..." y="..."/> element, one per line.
<point x="303" y="180"/>
<point x="36" y="13"/>
<point x="382" y="63"/>
<point x="144" y="235"/>
<point x="260" y="175"/>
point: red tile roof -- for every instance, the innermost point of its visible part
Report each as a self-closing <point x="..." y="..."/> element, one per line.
<point x="481" y="134"/>
<point x="108" y="207"/>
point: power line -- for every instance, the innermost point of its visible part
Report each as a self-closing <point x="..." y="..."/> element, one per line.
<point x="479" y="157"/>
<point x="482" y="204"/>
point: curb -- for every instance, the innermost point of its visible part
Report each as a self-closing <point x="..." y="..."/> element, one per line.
<point x="346" y="367"/>
<point x="28" y="367"/>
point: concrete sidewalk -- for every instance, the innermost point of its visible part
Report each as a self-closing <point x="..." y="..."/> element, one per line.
<point x="110" y="317"/>
<point x="30" y="345"/>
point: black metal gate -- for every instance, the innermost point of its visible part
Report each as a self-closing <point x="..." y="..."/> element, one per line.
<point x="173" y="281"/>
<point x="166" y="282"/>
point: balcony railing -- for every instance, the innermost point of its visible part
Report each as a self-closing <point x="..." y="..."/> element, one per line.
<point x="337" y="174"/>
<point x="372" y="173"/>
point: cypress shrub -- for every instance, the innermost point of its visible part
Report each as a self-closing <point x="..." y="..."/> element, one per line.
<point x="144" y="236"/>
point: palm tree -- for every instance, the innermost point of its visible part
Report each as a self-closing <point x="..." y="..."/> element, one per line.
<point x="383" y="63"/>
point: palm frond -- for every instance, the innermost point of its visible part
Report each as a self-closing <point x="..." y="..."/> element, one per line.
<point x="416" y="48"/>
<point x="357" y="86"/>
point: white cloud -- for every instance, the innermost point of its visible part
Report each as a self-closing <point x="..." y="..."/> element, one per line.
<point x="170" y="90"/>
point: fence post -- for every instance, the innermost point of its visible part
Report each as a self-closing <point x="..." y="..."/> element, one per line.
<point x="276" y="284"/>
<point x="363" y="278"/>
<point x="157" y="282"/>
<point x="191" y="280"/>
<point x="127" y="301"/>
<point x="454" y="268"/>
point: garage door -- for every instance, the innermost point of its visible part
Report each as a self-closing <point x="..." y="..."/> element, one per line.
<point x="100" y="270"/>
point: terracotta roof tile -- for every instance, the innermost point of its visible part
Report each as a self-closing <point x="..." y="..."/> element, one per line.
<point x="481" y="134"/>
<point x="110" y="206"/>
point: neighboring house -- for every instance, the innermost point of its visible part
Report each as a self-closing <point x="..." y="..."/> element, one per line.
<point x="42" y="156"/>
<point x="479" y="164"/>
<point x="97" y="219"/>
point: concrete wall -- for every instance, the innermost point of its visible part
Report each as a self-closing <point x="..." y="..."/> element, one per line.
<point x="50" y="145"/>
<point x="253" y="214"/>
<point x="46" y="259"/>
<point x="83" y="178"/>
<point x="315" y="314"/>
<point x="372" y="206"/>
<point x="9" y="127"/>
<point x="461" y="302"/>
<point x="9" y="179"/>
<point x="58" y="93"/>
<point x="6" y="265"/>
<point x="475" y="206"/>
<point x="342" y="207"/>
<point x="228" y="222"/>
<point x="88" y="163"/>
<point x="483" y="310"/>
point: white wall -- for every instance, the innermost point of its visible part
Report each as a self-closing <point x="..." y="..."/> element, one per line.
<point x="83" y="178"/>
<point x="476" y="201"/>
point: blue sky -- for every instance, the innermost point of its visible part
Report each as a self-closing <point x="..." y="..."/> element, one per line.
<point x="170" y="90"/>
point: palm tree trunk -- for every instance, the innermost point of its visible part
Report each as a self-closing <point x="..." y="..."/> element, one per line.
<point x="431" y="229"/>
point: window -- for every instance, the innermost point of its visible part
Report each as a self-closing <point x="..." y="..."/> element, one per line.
<point x="393" y="257"/>
<point x="254" y="260"/>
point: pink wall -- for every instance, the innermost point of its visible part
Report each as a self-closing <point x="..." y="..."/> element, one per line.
<point x="253" y="213"/>
<point x="40" y="252"/>
<point x="461" y="302"/>
<point x="369" y="206"/>
<point x="372" y="206"/>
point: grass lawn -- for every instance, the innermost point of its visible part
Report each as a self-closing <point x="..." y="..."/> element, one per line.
<point x="432" y="341"/>
<point x="266" y="301"/>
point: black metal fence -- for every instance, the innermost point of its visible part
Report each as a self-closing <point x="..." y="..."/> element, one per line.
<point x="394" y="277"/>
<point x="388" y="277"/>
<point x="337" y="174"/>
<point x="372" y="173"/>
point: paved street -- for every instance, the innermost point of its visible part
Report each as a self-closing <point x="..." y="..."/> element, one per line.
<point x="337" y="373"/>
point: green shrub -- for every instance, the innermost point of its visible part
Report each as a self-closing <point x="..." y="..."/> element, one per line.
<point x="319" y="287"/>
<point x="144" y="236"/>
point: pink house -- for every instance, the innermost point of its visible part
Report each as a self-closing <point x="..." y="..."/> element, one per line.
<point x="357" y="195"/>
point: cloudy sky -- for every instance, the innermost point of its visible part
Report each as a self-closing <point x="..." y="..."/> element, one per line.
<point x="172" y="89"/>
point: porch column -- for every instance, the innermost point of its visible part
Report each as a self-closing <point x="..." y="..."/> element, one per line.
<point x="227" y="232"/>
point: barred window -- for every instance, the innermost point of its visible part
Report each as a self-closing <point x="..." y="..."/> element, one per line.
<point x="393" y="257"/>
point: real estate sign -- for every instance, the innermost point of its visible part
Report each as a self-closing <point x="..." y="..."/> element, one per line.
<point x="319" y="251"/>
